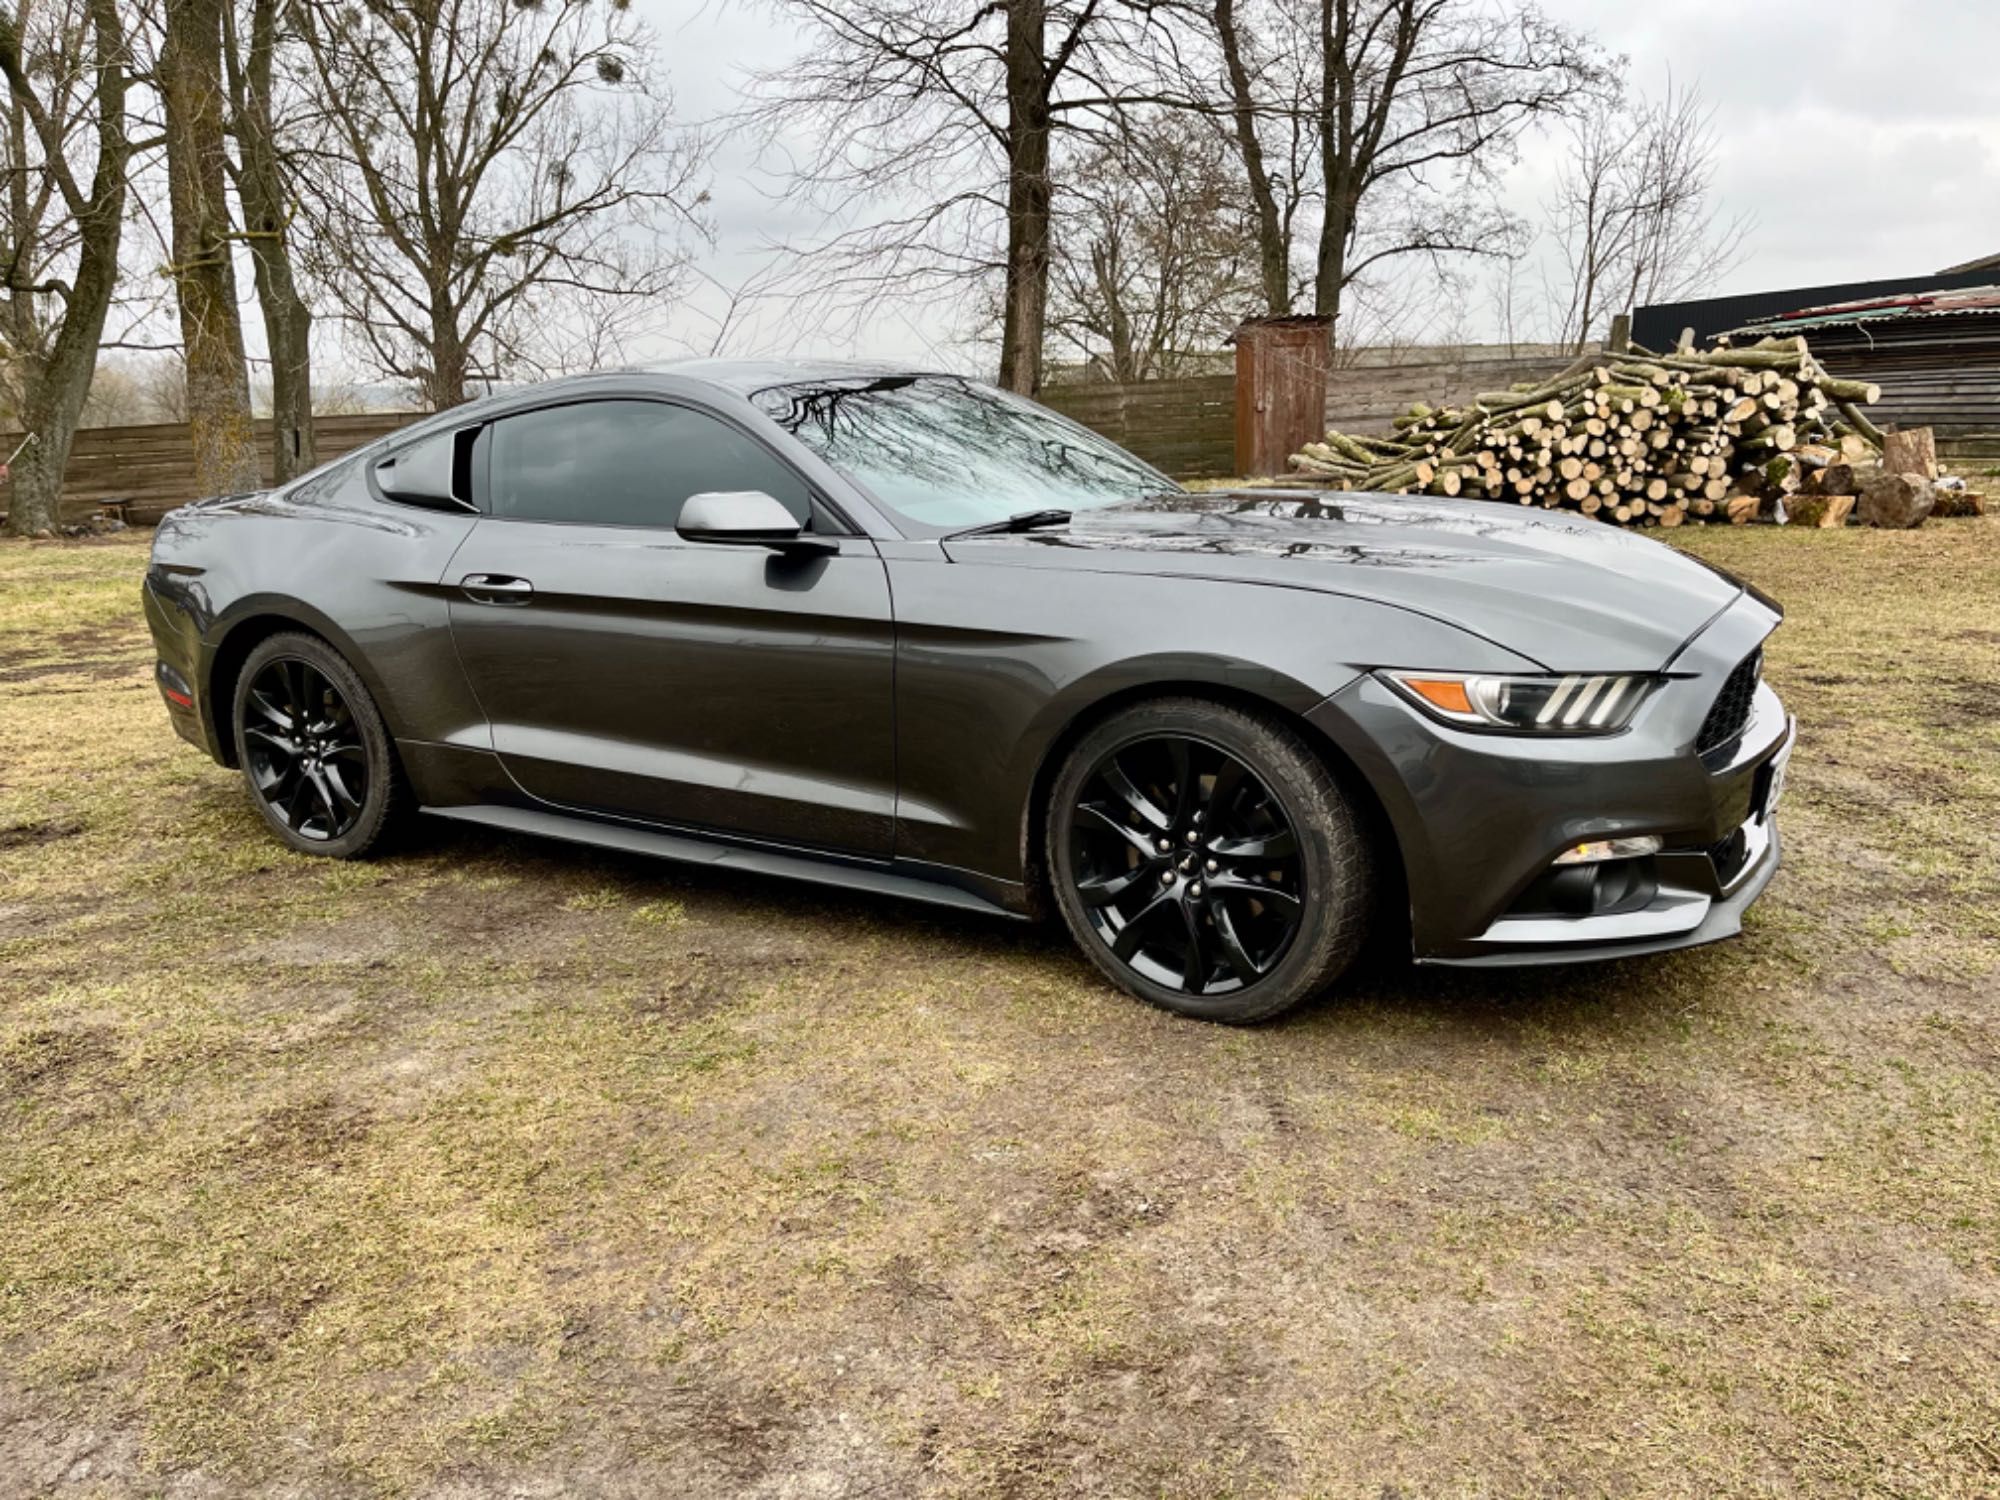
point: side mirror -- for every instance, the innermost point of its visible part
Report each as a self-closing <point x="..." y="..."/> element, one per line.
<point x="423" y="473"/>
<point x="744" y="518"/>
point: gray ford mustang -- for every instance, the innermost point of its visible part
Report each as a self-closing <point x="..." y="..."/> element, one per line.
<point x="903" y="632"/>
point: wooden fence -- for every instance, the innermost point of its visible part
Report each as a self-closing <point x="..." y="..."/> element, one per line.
<point x="1185" y="427"/>
<point x="1188" y="427"/>
<point x="151" y="468"/>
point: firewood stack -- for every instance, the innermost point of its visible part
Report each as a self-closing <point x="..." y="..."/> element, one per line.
<point x="1637" y="438"/>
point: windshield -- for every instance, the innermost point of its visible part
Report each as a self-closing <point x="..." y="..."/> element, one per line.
<point x="944" y="453"/>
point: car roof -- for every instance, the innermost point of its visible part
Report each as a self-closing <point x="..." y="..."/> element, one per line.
<point x="741" y="377"/>
<point x="749" y="376"/>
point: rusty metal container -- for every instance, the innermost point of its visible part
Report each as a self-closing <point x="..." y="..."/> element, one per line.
<point x="1281" y="369"/>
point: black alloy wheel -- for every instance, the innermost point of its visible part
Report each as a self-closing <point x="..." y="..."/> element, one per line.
<point x="1207" y="860"/>
<point x="313" y="748"/>
<point x="306" y="759"/>
<point x="1188" y="865"/>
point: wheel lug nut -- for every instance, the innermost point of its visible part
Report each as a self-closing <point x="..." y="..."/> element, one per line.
<point x="1166" y="877"/>
<point x="1192" y="836"/>
<point x="1165" y="845"/>
<point x="1195" y="889"/>
<point x="1213" y="867"/>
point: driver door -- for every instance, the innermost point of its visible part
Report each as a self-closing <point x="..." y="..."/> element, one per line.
<point x="627" y="671"/>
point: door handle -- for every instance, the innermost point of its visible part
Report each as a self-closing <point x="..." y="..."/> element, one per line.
<point x="496" y="588"/>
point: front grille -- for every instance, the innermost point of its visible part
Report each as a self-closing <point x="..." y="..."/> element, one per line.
<point x="1725" y="721"/>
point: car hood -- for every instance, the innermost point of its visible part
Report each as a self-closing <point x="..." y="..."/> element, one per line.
<point x="1567" y="592"/>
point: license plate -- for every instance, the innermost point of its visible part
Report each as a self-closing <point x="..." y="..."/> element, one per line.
<point x="1779" y="766"/>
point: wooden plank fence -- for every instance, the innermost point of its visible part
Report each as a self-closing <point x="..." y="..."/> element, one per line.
<point x="1188" y="427"/>
<point x="1185" y="427"/>
<point x="151" y="467"/>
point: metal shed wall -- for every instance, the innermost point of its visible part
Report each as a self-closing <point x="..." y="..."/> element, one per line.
<point x="1938" y="372"/>
<point x="1658" y="327"/>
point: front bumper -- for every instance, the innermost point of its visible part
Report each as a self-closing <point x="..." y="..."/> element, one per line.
<point x="1693" y="900"/>
<point x="1480" y="818"/>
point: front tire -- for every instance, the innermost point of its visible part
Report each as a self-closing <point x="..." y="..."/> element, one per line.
<point x="315" y="753"/>
<point x="1207" y="861"/>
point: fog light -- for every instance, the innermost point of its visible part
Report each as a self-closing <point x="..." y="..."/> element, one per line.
<point x="1599" y="850"/>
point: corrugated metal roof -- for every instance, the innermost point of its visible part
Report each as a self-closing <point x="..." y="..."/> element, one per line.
<point x="1981" y="299"/>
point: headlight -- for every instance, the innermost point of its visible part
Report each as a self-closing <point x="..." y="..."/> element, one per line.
<point x="1581" y="703"/>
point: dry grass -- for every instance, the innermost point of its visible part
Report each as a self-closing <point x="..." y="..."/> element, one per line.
<point x="497" y="1167"/>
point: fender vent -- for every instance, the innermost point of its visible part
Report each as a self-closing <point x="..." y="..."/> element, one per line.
<point x="1731" y="712"/>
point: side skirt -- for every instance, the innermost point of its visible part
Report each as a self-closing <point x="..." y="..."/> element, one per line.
<point x="936" y="888"/>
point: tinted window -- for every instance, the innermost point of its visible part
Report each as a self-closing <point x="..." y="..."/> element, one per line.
<point x="944" y="453"/>
<point x="625" y="463"/>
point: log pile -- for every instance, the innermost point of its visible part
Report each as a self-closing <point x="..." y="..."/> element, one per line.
<point x="1636" y="438"/>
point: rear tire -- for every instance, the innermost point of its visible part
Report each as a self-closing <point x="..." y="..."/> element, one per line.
<point x="1207" y="861"/>
<point x="316" y="756"/>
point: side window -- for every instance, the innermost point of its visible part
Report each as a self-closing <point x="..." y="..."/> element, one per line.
<point x="625" y="463"/>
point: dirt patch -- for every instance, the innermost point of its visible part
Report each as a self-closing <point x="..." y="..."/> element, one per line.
<point x="689" y="997"/>
<point x="315" y="1131"/>
<point x="1976" y="701"/>
<point x="365" y="942"/>
<point x="98" y="669"/>
<point x="42" y="831"/>
<point x="44" y="1056"/>
<point x="99" y="654"/>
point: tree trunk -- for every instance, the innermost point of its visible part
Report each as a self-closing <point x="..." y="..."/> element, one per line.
<point x="1339" y="175"/>
<point x="444" y="383"/>
<point x="1273" y="252"/>
<point x="50" y="415"/>
<point x="1028" y="198"/>
<point x="218" y="384"/>
<point x="1330" y="274"/>
<point x="261" y="186"/>
<point x="1106" y="271"/>
<point x="56" y="385"/>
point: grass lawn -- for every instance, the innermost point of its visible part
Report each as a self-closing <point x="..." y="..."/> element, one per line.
<point x="497" y="1166"/>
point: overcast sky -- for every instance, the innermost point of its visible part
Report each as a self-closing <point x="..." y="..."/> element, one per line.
<point x="1863" y="139"/>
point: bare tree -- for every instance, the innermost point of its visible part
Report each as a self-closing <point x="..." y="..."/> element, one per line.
<point x="1590" y="221"/>
<point x="1270" y="97"/>
<point x="1681" y="242"/>
<point x="66" y="148"/>
<point x="115" y="399"/>
<point x="483" y="166"/>
<point x="1509" y="304"/>
<point x="131" y="389"/>
<point x="1151" y="247"/>
<point x="195" y="105"/>
<point x="947" y="111"/>
<point x="264" y="190"/>
<point x="1633" y="214"/>
<point x="163" y="390"/>
<point x="1412" y="105"/>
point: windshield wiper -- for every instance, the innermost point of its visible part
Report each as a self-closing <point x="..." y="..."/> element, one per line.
<point x="1027" y="520"/>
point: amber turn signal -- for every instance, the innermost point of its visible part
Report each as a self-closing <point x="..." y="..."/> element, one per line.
<point x="1445" y="693"/>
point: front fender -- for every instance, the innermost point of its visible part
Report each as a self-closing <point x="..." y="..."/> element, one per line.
<point x="986" y="708"/>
